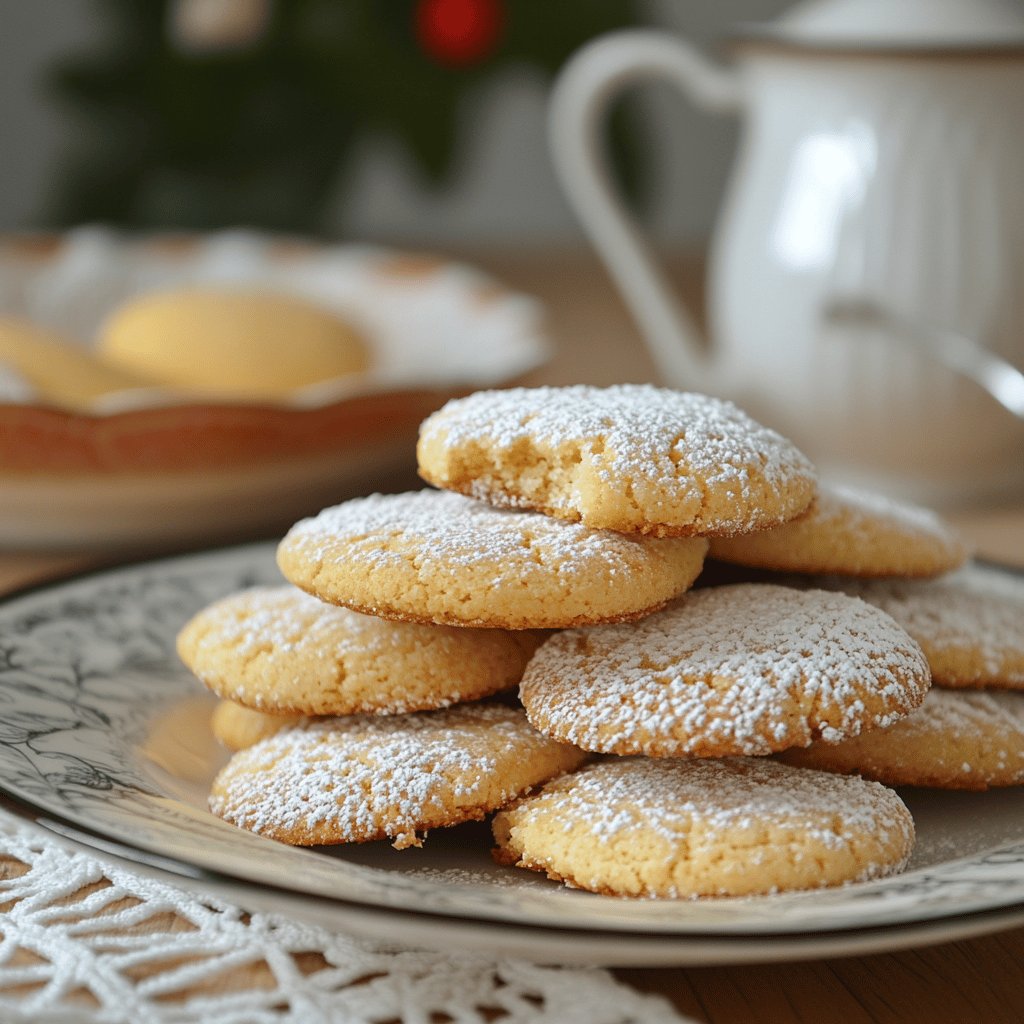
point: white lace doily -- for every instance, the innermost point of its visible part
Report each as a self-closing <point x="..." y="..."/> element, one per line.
<point x="83" y="942"/>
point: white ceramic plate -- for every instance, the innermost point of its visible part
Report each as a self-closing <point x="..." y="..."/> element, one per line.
<point x="103" y="738"/>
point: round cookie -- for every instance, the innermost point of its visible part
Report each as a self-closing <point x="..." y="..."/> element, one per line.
<point x="352" y="780"/>
<point x="58" y="370"/>
<point x="238" y="727"/>
<point x="632" y="458"/>
<point x="727" y="827"/>
<point x="432" y="556"/>
<point x="852" y="533"/>
<point x="231" y="343"/>
<point x="970" y="624"/>
<point x="747" y="669"/>
<point x="277" y="649"/>
<point x="955" y="740"/>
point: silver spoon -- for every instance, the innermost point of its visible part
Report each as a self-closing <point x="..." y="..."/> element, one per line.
<point x="1002" y="380"/>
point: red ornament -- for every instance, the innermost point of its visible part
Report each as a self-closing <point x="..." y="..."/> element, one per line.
<point x="459" y="32"/>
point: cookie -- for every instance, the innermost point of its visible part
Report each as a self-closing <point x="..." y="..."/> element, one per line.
<point x="277" y="649"/>
<point x="955" y="740"/>
<point x="970" y="624"/>
<point x="231" y="343"/>
<point x="746" y="669"/>
<point x="432" y="556"/>
<point x="852" y="533"/>
<point x="728" y="827"/>
<point x="632" y="458"/>
<point x="58" y="370"/>
<point x="238" y="727"/>
<point x="352" y="780"/>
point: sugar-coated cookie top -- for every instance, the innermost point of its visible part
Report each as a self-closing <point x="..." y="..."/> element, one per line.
<point x="851" y="532"/>
<point x="706" y="827"/>
<point x="970" y="623"/>
<point x="864" y="507"/>
<point x="278" y="649"/>
<point x="442" y="557"/>
<point x="957" y="739"/>
<point x="743" y="669"/>
<point x="360" y="777"/>
<point x="957" y="713"/>
<point x="629" y="457"/>
<point x="677" y="798"/>
<point x="455" y="530"/>
<point x="401" y="760"/>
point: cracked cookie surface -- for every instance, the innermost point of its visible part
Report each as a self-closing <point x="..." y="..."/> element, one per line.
<point x="728" y="827"/>
<point x="745" y="669"/>
<point x="632" y="458"/>
<point x="970" y="623"/>
<point x="361" y="778"/>
<point x="434" y="556"/>
<point x="278" y="649"/>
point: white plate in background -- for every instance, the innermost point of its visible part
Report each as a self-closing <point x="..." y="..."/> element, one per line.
<point x="145" y="468"/>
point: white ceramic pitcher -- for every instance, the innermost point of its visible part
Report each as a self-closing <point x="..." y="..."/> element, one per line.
<point x="882" y="160"/>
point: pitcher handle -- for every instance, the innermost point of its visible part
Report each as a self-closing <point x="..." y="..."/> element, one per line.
<point x="588" y="83"/>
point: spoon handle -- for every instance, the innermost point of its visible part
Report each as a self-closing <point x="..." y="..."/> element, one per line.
<point x="1001" y="379"/>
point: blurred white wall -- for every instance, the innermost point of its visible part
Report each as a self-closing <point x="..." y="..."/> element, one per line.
<point x="506" y="190"/>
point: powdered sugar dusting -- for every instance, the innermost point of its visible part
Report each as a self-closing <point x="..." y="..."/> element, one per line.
<point x="721" y="817"/>
<point x="851" y="532"/>
<point x="363" y="777"/>
<point x="266" y="622"/>
<point x="745" y="669"/>
<point x="976" y="611"/>
<point x="279" y="648"/>
<point x="439" y="557"/>
<point x="956" y="740"/>
<point x="676" y="448"/>
<point x="458" y="531"/>
<point x="956" y="713"/>
<point x="280" y="618"/>
<point x="866" y="508"/>
<point x="723" y="793"/>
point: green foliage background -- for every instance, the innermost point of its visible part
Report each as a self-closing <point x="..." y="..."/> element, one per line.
<point x="262" y="136"/>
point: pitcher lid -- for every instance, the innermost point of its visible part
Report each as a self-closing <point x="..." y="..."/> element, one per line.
<point x="896" y="25"/>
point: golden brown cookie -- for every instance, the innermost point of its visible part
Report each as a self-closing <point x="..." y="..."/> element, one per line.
<point x="632" y="458"/>
<point x="277" y="649"/>
<point x="231" y="343"/>
<point x="432" y="556"/>
<point x="745" y="669"/>
<point x="970" y="624"/>
<point x="238" y="727"/>
<point x="955" y="740"/>
<point x="724" y="827"/>
<point x="352" y="780"/>
<point x="851" y="533"/>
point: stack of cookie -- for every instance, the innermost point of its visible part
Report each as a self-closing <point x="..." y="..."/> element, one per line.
<point x="587" y="511"/>
<point x="968" y="620"/>
<point x="352" y="728"/>
<point x="692" y="696"/>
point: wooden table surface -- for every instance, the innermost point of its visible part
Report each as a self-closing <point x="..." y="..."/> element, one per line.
<point x="981" y="980"/>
